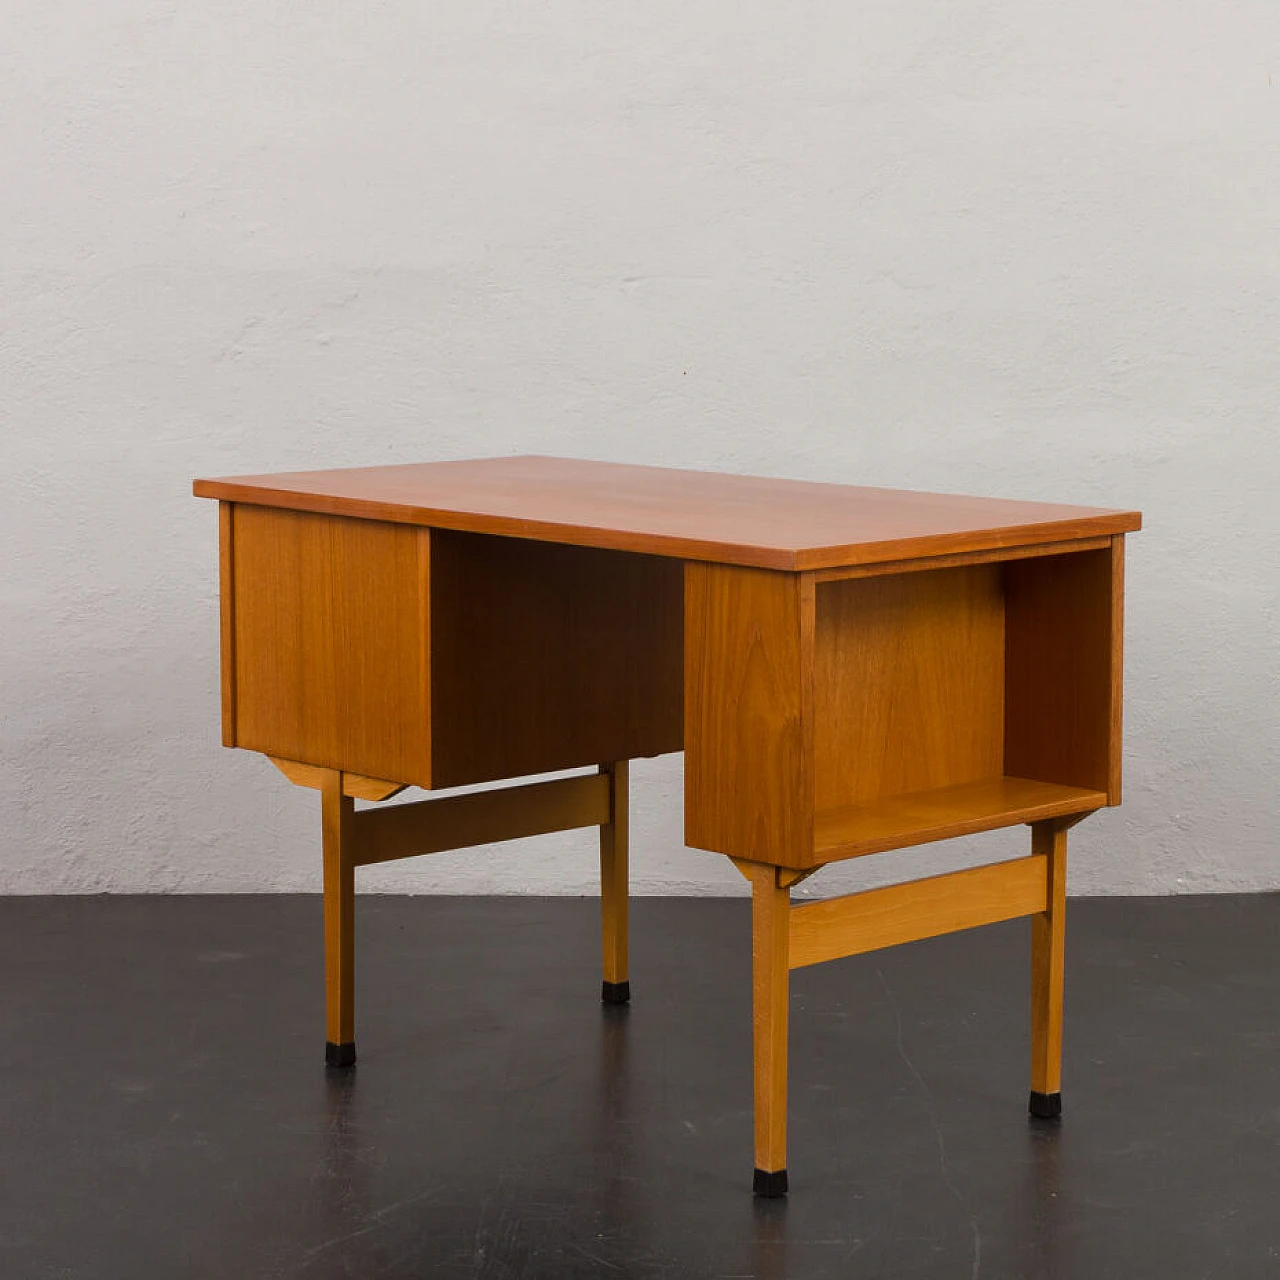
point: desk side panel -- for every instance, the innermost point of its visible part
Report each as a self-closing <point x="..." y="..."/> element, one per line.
<point x="227" y="616"/>
<point x="330" y="642"/>
<point x="547" y="657"/>
<point x="1064" y="620"/>
<point x="749" y="642"/>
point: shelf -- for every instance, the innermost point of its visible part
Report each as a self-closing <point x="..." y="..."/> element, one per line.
<point x="921" y="816"/>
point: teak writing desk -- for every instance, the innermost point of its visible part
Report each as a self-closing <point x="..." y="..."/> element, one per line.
<point x="846" y="670"/>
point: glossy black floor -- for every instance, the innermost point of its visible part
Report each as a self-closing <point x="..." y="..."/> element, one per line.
<point x="165" y="1111"/>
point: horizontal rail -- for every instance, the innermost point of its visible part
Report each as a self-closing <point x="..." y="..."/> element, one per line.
<point x="481" y="817"/>
<point x="876" y="918"/>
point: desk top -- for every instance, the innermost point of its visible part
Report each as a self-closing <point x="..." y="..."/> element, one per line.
<point x="691" y="515"/>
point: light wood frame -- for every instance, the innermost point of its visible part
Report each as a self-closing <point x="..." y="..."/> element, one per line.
<point x="359" y="838"/>
<point x="786" y="936"/>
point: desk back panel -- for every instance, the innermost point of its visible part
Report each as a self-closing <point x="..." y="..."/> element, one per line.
<point x="910" y="683"/>
<point x="546" y="656"/>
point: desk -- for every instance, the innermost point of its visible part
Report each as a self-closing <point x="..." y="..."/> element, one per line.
<point x="847" y="671"/>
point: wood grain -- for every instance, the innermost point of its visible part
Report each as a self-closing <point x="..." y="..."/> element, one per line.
<point x="482" y="817"/>
<point x="331" y="622"/>
<point x="898" y="913"/>
<point x="775" y="524"/>
<point x="546" y="657"/>
<point x="1048" y="937"/>
<point x="909" y="684"/>
<point x="770" y="990"/>
<point x="614" y="904"/>
<point x="901" y="821"/>
<point x="1063" y="618"/>
<point x="748" y="727"/>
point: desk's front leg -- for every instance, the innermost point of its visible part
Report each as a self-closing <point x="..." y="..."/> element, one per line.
<point x="1048" y="937"/>
<point x="770" y="990"/>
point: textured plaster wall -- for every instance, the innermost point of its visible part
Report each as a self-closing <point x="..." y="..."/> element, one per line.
<point x="1023" y="249"/>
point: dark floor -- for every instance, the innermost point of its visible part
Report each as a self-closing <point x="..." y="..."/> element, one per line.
<point x="165" y="1112"/>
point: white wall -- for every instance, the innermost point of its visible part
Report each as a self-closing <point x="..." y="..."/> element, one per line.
<point x="1007" y="247"/>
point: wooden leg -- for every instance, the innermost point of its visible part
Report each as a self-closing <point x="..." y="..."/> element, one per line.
<point x="616" y="988"/>
<point x="1047" y="938"/>
<point x="770" y="942"/>
<point x="338" y="813"/>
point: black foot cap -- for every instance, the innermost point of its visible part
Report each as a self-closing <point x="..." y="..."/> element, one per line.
<point x="339" y="1055"/>
<point x="770" y="1186"/>
<point x="1046" y="1106"/>
<point x="615" y="992"/>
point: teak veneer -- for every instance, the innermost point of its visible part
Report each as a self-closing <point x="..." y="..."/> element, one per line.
<point x="685" y="515"/>
<point x="847" y="671"/>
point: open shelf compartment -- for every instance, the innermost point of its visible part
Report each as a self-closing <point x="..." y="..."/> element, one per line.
<point x="951" y="701"/>
<point x="879" y="710"/>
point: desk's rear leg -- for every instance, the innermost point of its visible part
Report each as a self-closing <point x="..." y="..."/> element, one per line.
<point x="338" y="812"/>
<point x="1047" y="955"/>
<point x="616" y="988"/>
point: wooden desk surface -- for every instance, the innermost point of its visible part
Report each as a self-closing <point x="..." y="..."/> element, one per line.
<point x="692" y="515"/>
